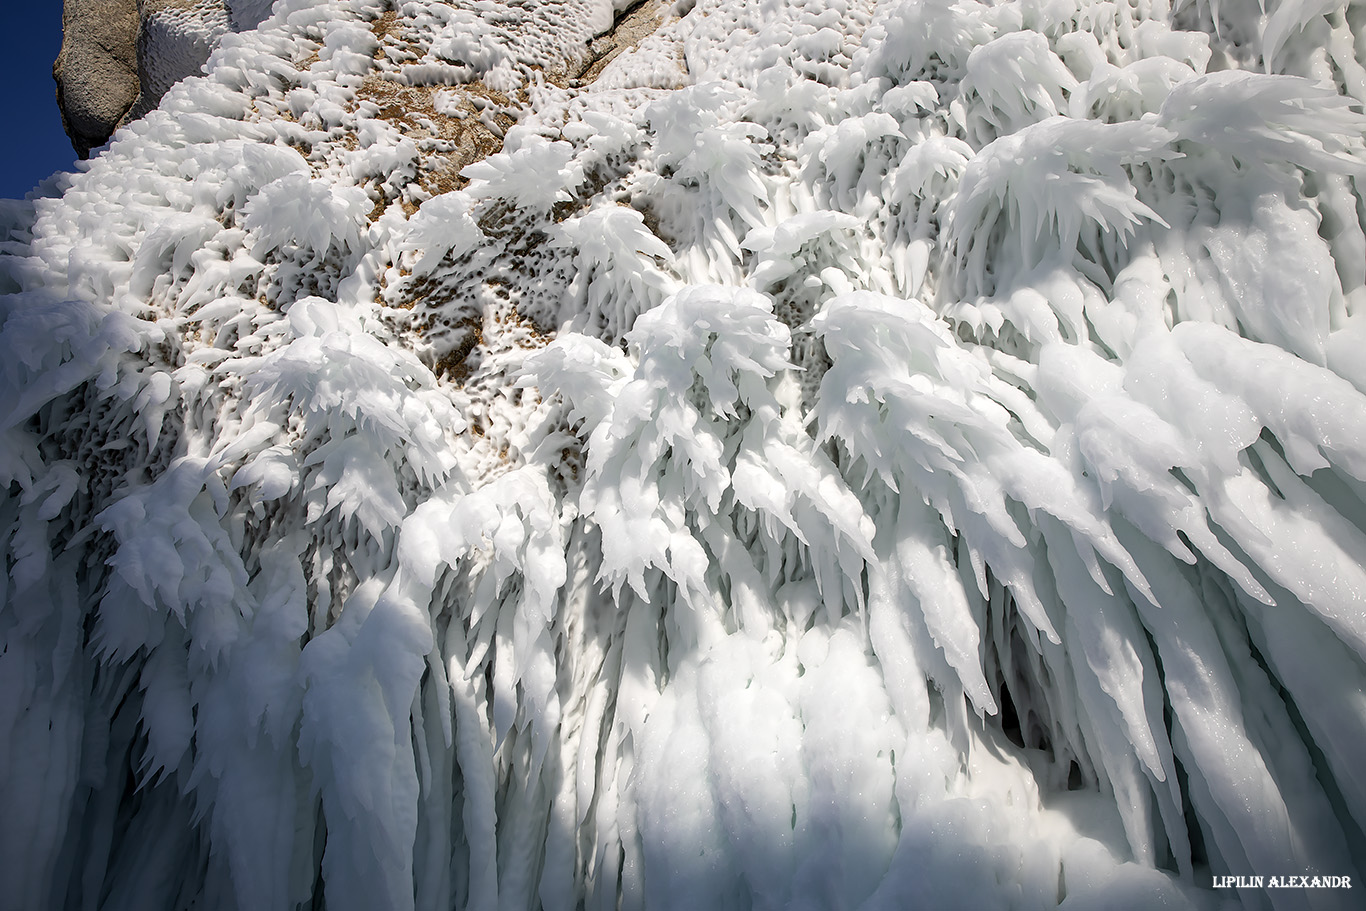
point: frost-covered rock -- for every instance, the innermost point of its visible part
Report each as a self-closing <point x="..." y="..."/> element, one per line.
<point x="811" y="455"/>
<point x="119" y="57"/>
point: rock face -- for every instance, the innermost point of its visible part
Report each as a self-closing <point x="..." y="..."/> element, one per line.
<point x="119" y="57"/>
<point x="97" y="69"/>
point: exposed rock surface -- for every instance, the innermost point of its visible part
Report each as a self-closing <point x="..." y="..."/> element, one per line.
<point x="97" y="69"/>
<point x="119" y="57"/>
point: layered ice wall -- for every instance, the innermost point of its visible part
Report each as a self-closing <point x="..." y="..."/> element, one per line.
<point x="812" y="455"/>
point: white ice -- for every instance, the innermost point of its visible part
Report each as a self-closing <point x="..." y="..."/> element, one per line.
<point x="847" y="455"/>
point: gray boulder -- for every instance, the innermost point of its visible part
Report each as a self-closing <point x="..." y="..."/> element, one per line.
<point x="119" y="57"/>
<point x="97" y="69"/>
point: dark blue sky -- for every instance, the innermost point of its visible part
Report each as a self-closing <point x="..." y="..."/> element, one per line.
<point x="33" y="145"/>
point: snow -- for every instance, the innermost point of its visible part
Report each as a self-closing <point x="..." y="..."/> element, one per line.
<point x="860" y="455"/>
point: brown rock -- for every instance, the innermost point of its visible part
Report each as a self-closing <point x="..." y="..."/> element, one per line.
<point x="97" y="69"/>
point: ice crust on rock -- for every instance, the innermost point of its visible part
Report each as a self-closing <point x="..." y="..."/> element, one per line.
<point x="828" y="455"/>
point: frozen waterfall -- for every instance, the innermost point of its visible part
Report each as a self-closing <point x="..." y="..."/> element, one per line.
<point x="741" y="454"/>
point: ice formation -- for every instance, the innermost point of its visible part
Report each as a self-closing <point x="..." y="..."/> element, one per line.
<point x="825" y="454"/>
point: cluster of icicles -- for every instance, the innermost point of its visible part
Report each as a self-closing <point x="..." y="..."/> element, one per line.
<point x="851" y="455"/>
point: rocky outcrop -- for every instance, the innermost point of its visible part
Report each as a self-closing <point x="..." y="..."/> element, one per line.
<point x="97" y="69"/>
<point x="119" y="57"/>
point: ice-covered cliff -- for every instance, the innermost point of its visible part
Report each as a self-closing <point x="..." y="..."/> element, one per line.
<point x="743" y="454"/>
<point x="119" y="57"/>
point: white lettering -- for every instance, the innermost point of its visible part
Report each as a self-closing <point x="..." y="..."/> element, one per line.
<point x="1288" y="881"/>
